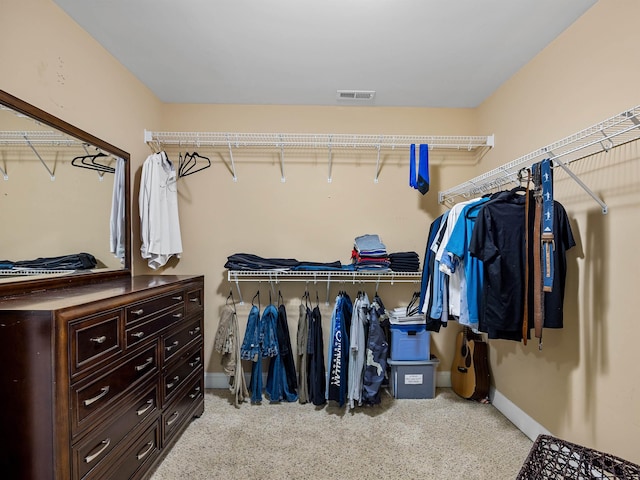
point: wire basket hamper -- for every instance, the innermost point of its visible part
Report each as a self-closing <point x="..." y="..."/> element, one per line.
<point x="552" y="458"/>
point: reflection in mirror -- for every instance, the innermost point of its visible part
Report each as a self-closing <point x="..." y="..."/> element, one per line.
<point x="57" y="198"/>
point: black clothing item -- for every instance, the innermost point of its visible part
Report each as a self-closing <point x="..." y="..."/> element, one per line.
<point x="317" y="373"/>
<point x="284" y="347"/>
<point x="498" y="239"/>
<point x="78" y="261"/>
<point x="249" y="261"/>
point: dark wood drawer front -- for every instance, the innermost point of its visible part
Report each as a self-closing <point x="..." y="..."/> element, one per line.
<point x="94" y="339"/>
<point x="96" y="449"/>
<point x="143" y="451"/>
<point x="194" y="301"/>
<point x="179" y="412"/>
<point x="92" y="398"/>
<point x="143" y="310"/>
<point x="172" y="344"/>
<point x="141" y="332"/>
<point x="176" y="376"/>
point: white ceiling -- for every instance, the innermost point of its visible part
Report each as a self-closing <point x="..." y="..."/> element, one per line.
<point x="422" y="53"/>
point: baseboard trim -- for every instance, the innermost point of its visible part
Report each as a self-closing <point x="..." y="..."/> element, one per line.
<point x="516" y="415"/>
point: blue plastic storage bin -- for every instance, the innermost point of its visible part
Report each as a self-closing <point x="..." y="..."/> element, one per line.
<point x="410" y="342"/>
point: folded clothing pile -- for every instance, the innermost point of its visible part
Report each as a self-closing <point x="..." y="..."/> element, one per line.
<point x="369" y="254"/>
<point x="76" y="261"/>
<point x="404" y="262"/>
<point x="249" y="261"/>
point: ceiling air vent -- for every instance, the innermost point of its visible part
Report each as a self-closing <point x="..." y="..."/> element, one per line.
<point x="356" y="94"/>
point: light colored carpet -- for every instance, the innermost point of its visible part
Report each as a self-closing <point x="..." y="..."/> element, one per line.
<point x="446" y="437"/>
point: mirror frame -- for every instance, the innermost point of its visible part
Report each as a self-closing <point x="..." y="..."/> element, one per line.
<point x="25" y="285"/>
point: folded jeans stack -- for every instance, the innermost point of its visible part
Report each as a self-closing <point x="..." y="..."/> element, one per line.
<point x="404" y="262"/>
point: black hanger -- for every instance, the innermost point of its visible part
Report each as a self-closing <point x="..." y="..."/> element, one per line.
<point x="254" y="297"/>
<point x="89" y="162"/>
<point x="230" y="296"/>
<point x="280" y="298"/>
<point x="191" y="160"/>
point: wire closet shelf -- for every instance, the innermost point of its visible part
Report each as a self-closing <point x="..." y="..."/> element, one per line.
<point x="354" y="277"/>
<point x="472" y="147"/>
<point x="601" y="137"/>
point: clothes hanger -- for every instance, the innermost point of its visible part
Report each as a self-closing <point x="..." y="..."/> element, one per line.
<point x="280" y="298"/>
<point x="230" y="296"/>
<point x="89" y="162"/>
<point x="192" y="162"/>
<point x="254" y="297"/>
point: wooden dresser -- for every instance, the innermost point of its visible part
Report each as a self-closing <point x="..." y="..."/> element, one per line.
<point x="98" y="381"/>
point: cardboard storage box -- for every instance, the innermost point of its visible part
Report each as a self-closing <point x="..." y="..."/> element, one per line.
<point x="413" y="379"/>
<point x="410" y="342"/>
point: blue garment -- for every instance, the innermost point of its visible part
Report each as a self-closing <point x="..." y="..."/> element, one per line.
<point x="458" y="247"/>
<point x="281" y="378"/>
<point x="339" y="350"/>
<point x="260" y="340"/>
<point x="427" y="267"/>
<point x="369" y="243"/>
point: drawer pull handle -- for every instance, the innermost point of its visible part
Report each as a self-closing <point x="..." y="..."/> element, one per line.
<point x="195" y="362"/>
<point x="146" y="408"/>
<point x="195" y="393"/>
<point x="138" y="334"/>
<point x="179" y="298"/>
<point x="140" y="456"/>
<point x="172" y="346"/>
<point x="173" y="418"/>
<point x="105" y="445"/>
<point x="177" y="315"/>
<point x="194" y="331"/>
<point x="176" y="379"/>
<point x="147" y="362"/>
<point x="140" y="311"/>
<point x="103" y="392"/>
<point x="194" y="300"/>
<point x="101" y="339"/>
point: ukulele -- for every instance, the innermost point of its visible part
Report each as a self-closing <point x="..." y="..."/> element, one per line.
<point x="470" y="367"/>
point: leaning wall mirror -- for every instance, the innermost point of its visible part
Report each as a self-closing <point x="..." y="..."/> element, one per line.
<point x="63" y="194"/>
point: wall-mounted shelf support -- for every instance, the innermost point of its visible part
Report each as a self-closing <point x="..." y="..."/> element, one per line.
<point x="472" y="148"/>
<point x="51" y="174"/>
<point x="601" y="137"/>
<point x="276" y="276"/>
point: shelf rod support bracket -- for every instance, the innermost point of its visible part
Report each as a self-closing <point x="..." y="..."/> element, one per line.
<point x="579" y="182"/>
<point x="282" y="177"/>
<point x="238" y="288"/>
<point x="4" y="174"/>
<point x="375" y="180"/>
<point x="51" y="174"/>
<point x="328" y="286"/>
<point x="329" y="179"/>
<point x="233" y="165"/>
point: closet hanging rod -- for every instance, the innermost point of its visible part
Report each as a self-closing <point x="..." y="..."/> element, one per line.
<point x="601" y="137"/>
<point x="314" y="140"/>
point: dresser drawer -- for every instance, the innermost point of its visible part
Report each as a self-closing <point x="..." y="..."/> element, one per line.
<point x="194" y="301"/>
<point x="173" y="343"/>
<point x="142" y="331"/>
<point x="181" y="371"/>
<point x="91" y="398"/>
<point x="94" y="340"/>
<point x="138" y="456"/>
<point x="181" y="411"/>
<point x="91" y="453"/>
<point x="144" y="310"/>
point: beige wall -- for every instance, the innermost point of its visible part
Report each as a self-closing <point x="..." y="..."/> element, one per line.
<point x="582" y="386"/>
